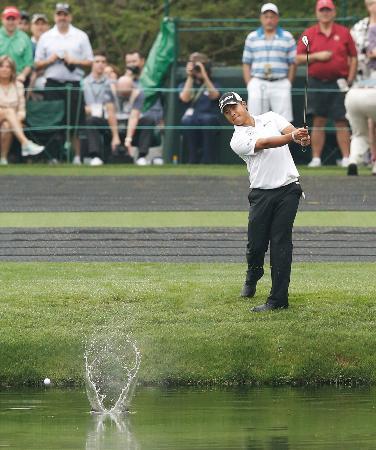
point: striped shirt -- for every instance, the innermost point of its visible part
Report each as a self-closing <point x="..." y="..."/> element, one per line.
<point x="279" y="52"/>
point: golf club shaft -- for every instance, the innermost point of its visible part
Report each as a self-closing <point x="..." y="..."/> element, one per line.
<point x="306" y="92"/>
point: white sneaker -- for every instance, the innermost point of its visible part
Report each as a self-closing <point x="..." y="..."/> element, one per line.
<point x="76" y="161"/>
<point x="158" y="161"/>
<point x="3" y="162"/>
<point x="316" y="162"/>
<point x="374" y="168"/>
<point x="345" y="162"/>
<point x="142" y="161"/>
<point x="96" y="161"/>
<point x="31" y="149"/>
<point x="53" y="162"/>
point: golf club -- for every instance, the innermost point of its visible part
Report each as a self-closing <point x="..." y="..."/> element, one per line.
<point x="306" y="43"/>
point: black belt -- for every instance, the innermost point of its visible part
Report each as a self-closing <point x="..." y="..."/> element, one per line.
<point x="271" y="79"/>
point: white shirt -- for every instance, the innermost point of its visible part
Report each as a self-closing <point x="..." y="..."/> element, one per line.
<point x="75" y="42"/>
<point x="269" y="168"/>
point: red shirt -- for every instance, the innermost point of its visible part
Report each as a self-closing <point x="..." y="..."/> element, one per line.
<point x="340" y="43"/>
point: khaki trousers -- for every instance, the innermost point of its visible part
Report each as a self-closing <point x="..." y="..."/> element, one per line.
<point x="360" y="105"/>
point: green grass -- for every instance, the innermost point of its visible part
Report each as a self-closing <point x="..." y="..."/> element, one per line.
<point x="231" y="170"/>
<point x="178" y="219"/>
<point x="189" y="321"/>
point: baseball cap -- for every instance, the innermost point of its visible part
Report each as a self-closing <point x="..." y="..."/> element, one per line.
<point x="63" y="7"/>
<point x="321" y="4"/>
<point x="37" y="17"/>
<point x="230" y="98"/>
<point x="269" y="7"/>
<point x="25" y="15"/>
<point x="11" y="11"/>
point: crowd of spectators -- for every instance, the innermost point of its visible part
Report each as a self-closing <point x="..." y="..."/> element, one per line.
<point x="341" y="66"/>
<point x="104" y="106"/>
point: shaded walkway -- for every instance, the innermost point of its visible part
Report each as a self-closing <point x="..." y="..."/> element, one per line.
<point x="177" y="245"/>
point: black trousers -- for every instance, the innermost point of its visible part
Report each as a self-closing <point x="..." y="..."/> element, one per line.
<point x="75" y="117"/>
<point x="95" y="135"/>
<point x="143" y="137"/>
<point x="271" y="217"/>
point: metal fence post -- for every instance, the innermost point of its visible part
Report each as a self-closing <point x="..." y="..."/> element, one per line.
<point x="68" y="143"/>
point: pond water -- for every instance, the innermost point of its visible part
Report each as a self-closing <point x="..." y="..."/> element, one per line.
<point x="193" y="418"/>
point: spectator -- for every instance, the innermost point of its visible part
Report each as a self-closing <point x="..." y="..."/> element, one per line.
<point x="12" y="112"/>
<point x="129" y="101"/>
<point x="112" y="72"/>
<point x="39" y="25"/>
<point x="361" y="32"/>
<point x="134" y="64"/>
<point x="360" y="105"/>
<point x="98" y="100"/>
<point x="63" y="52"/>
<point x="200" y="94"/>
<point x="24" y="24"/>
<point x="357" y="100"/>
<point x="15" y="43"/>
<point x="332" y="62"/>
<point x="269" y="66"/>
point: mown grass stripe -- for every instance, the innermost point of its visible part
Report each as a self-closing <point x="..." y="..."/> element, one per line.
<point x="362" y="219"/>
<point x="166" y="170"/>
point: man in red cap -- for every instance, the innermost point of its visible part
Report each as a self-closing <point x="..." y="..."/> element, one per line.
<point x="15" y="43"/>
<point x="332" y="68"/>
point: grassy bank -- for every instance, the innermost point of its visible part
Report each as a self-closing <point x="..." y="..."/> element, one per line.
<point x="157" y="219"/>
<point x="189" y="321"/>
<point x="223" y="170"/>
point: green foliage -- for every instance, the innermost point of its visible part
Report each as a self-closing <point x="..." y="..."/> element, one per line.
<point x="128" y="24"/>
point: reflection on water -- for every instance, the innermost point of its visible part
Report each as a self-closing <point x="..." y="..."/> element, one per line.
<point x="110" y="431"/>
<point x="180" y="419"/>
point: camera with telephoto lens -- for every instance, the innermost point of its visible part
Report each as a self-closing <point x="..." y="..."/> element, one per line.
<point x="134" y="69"/>
<point x="197" y="68"/>
<point x="120" y="150"/>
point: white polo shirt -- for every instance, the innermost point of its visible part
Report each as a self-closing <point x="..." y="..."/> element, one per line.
<point x="75" y="42"/>
<point x="270" y="168"/>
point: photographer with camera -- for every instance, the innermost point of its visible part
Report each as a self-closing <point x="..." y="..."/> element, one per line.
<point x="134" y="65"/>
<point x="200" y="94"/>
<point x="63" y="52"/>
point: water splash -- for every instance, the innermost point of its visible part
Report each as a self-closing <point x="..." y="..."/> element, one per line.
<point x="111" y="365"/>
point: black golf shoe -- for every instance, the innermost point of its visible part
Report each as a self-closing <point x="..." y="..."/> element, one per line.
<point x="268" y="307"/>
<point x="249" y="290"/>
<point x="352" y="169"/>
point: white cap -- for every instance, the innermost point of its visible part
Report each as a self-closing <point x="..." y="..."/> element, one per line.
<point x="269" y="7"/>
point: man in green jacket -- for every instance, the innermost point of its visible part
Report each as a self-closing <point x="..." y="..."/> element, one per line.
<point x="15" y="43"/>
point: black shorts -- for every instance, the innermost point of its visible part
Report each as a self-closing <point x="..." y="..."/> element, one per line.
<point x="326" y="104"/>
<point x="75" y="117"/>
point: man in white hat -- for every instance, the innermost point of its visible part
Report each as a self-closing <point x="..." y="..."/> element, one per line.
<point x="269" y="65"/>
<point x="262" y="142"/>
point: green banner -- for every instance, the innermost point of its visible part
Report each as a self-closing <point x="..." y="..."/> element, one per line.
<point x="158" y="62"/>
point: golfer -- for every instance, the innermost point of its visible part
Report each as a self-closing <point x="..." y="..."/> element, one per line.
<point x="262" y="142"/>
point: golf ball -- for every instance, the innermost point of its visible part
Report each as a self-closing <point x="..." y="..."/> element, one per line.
<point x="46" y="381"/>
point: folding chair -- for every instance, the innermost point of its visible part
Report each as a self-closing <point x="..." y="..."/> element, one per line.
<point x="45" y="125"/>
